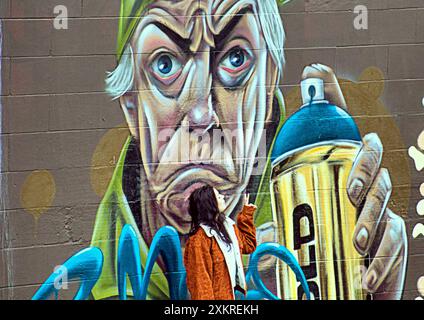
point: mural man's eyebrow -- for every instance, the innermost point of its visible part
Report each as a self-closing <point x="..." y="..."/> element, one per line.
<point x="182" y="42"/>
<point x="225" y="32"/>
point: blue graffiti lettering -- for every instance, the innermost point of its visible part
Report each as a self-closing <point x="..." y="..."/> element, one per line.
<point x="87" y="264"/>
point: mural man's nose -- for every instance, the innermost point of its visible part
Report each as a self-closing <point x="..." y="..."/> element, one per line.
<point x="202" y="115"/>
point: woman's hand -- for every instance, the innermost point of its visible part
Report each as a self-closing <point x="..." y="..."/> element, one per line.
<point x="246" y="201"/>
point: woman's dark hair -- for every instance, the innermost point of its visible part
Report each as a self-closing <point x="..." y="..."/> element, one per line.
<point x="203" y="208"/>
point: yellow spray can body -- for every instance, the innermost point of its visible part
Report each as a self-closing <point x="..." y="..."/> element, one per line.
<point x="312" y="160"/>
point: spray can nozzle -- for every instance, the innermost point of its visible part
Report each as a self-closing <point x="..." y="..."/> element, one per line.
<point x="312" y="90"/>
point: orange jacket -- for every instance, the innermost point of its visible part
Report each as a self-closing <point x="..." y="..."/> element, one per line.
<point x="207" y="273"/>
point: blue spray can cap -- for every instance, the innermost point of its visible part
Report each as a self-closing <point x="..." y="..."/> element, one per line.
<point x="316" y="122"/>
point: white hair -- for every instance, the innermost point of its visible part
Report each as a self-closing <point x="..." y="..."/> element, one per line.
<point x="121" y="80"/>
<point x="273" y="30"/>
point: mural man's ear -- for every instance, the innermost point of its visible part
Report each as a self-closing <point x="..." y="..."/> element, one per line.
<point x="129" y="105"/>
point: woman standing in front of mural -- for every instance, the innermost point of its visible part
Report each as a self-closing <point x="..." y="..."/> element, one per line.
<point x="213" y="251"/>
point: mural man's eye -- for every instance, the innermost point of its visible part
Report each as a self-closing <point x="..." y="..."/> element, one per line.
<point x="165" y="64"/>
<point x="235" y="61"/>
<point x="166" y="68"/>
<point x="236" y="58"/>
<point x="234" y="66"/>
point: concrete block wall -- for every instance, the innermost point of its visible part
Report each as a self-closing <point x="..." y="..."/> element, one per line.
<point x="55" y="113"/>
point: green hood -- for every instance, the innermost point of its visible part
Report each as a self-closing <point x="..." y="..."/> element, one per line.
<point x="113" y="214"/>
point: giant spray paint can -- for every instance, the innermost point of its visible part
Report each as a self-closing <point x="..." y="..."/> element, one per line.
<point x="311" y="162"/>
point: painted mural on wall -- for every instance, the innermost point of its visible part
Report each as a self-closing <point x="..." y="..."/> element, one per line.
<point x="199" y="86"/>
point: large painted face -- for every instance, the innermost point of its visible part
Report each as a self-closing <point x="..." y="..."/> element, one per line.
<point x="204" y="82"/>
